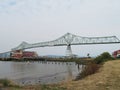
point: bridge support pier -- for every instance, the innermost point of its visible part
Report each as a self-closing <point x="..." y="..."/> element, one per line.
<point x="69" y="51"/>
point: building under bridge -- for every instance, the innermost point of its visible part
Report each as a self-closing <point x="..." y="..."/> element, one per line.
<point x="18" y="54"/>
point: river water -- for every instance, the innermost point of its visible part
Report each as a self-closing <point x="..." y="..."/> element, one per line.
<point x="39" y="72"/>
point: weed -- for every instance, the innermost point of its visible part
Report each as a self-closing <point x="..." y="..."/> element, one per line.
<point x="89" y="69"/>
<point x="47" y="87"/>
<point x="5" y="82"/>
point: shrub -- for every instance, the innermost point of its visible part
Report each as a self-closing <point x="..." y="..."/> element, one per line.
<point x="89" y="69"/>
<point x="5" y="82"/>
<point x="93" y="67"/>
<point x="103" y="57"/>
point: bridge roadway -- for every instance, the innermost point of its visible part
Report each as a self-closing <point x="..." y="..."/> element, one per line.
<point x="69" y="39"/>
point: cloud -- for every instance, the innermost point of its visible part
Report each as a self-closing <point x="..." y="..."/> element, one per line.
<point x="5" y="5"/>
<point x="29" y="6"/>
<point x="12" y="3"/>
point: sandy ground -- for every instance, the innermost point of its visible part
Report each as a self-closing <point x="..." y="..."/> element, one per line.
<point x="107" y="78"/>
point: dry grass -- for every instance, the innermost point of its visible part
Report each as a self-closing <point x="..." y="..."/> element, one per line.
<point x="108" y="78"/>
<point x="89" y="69"/>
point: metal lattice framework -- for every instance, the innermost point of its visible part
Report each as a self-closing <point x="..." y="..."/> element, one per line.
<point x="70" y="39"/>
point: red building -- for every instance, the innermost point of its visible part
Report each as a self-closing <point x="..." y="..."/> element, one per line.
<point x="116" y="54"/>
<point x="28" y="54"/>
<point x="23" y="54"/>
<point x="17" y="54"/>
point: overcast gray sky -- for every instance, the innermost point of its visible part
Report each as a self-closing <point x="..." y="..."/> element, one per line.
<point x="36" y="21"/>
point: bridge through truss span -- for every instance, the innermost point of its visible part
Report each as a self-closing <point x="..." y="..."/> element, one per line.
<point x="69" y="39"/>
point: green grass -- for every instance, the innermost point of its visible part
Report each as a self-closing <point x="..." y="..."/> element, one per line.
<point x="5" y="82"/>
<point x="47" y="87"/>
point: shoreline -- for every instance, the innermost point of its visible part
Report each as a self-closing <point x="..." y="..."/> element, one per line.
<point x="76" y="60"/>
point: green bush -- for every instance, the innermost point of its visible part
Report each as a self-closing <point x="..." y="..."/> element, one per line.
<point x="103" y="58"/>
<point x="5" y="82"/>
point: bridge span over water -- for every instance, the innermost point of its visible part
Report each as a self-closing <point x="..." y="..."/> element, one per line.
<point x="67" y="40"/>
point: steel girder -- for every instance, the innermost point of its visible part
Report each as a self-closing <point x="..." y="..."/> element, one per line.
<point x="70" y="39"/>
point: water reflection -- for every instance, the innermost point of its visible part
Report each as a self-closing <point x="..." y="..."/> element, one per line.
<point x="25" y="73"/>
<point x="23" y="66"/>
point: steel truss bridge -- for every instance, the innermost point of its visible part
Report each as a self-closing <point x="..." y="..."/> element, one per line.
<point x="69" y="39"/>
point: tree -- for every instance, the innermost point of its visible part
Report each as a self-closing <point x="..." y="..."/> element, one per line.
<point x="105" y="56"/>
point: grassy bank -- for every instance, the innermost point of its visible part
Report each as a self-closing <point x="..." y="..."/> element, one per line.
<point x="107" y="78"/>
<point x="6" y="84"/>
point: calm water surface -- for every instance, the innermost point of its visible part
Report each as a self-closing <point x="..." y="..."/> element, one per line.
<point x="25" y="73"/>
